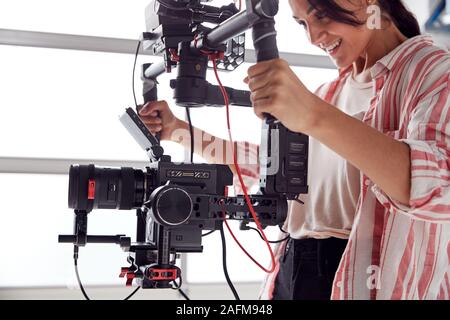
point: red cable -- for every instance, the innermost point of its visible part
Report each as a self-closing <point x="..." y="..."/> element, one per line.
<point x="244" y="188"/>
<point x="174" y="55"/>
<point x="243" y="249"/>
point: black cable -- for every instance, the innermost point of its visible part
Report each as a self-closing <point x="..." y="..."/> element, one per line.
<point x="281" y="229"/>
<point x="134" y="72"/>
<point x="298" y="200"/>
<point x="277" y="241"/>
<point x="183" y="294"/>
<point x="224" y="263"/>
<point x="178" y="287"/>
<point x="132" y="294"/>
<point x="75" y="262"/>
<point x="191" y="132"/>
<point x="208" y="233"/>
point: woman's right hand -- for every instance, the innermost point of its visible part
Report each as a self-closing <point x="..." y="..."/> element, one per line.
<point x="158" y="118"/>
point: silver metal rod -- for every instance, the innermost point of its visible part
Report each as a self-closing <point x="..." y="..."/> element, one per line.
<point x="68" y="41"/>
<point x="57" y="166"/>
<point x="297" y="59"/>
<point x="155" y="70"/>
<point x="226" y="30"/>
<point x="127" y="46"/>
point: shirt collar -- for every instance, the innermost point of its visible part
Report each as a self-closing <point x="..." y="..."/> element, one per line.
<point x="388" y="62"/>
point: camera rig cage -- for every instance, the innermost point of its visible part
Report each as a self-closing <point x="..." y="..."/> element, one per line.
<point x="175" y="202"/>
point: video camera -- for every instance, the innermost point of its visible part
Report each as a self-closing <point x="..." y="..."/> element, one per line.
<point x="176" y="202"/>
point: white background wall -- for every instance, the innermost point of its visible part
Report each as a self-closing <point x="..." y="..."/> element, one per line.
<point x="64" y="104"/>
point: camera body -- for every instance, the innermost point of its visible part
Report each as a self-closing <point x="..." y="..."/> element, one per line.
<point x="186" y="199"/>
<point x="92" y="187"/>
<point x="177" y="196"/>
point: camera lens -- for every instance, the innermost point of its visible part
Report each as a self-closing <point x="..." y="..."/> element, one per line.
<point x="92" y="187"/>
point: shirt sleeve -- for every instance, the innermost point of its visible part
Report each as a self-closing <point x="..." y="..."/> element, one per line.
<point x="428" y="136"/>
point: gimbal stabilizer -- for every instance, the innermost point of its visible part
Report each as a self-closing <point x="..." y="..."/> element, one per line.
<point x="176" y="202"/>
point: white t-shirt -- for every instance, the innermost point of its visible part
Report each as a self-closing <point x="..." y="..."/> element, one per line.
<point x="334" y="184"/>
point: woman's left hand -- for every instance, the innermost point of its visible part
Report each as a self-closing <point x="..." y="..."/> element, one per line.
<point x="276" y="90"/>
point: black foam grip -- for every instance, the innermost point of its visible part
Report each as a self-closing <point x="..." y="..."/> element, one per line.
<point x="265" y="43"/>
<point x="150" y="94"/>
<point x="265" y="40"/>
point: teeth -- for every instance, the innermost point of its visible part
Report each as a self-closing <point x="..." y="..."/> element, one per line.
<point x="333" y="46"/>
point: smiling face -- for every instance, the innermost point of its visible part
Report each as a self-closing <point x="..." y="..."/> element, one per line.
<point x="344" y="43"/>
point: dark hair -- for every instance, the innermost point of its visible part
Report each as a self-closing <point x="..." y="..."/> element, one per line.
<point x="405" y="21"/>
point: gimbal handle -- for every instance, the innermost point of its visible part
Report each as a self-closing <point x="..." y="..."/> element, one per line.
<point x="265" y="37"/>
<point x="149" y="89"/>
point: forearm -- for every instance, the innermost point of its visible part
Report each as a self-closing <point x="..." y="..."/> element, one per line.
<point x="386" y="161"/>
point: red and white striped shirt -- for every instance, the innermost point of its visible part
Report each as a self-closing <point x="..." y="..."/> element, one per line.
<point x="397" y="251"/>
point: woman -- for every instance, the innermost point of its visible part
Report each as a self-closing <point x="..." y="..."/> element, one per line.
<point x="385" y="120"/>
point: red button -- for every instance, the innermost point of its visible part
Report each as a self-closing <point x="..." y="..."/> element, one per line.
<point x="91" y="190"/>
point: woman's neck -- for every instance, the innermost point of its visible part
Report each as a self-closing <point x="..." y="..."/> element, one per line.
<point x="381" y="44"/>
